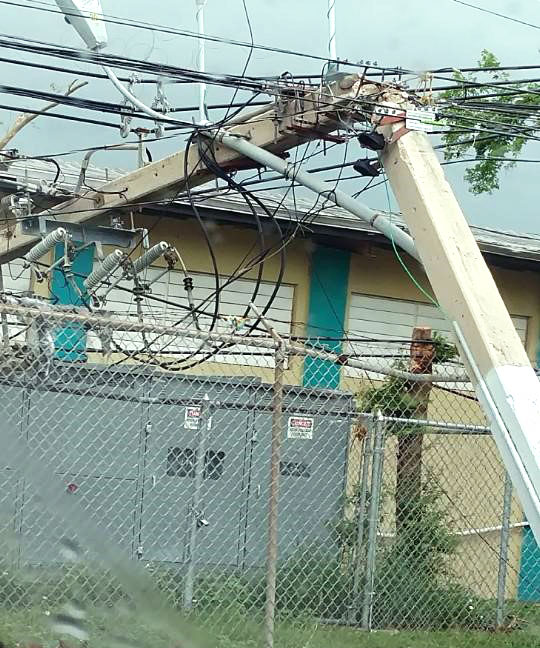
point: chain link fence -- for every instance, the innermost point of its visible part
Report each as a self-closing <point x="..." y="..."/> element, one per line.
<point x="271" y="491"/>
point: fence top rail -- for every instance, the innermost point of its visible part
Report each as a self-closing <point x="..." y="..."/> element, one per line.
<point x="442" y="426"/>
<point x="31" y="308"/>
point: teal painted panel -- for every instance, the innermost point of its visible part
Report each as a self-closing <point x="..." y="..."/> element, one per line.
<point x="329" y="289"/>
<point x="70" y="341"/>
<point x="529" y="573"/>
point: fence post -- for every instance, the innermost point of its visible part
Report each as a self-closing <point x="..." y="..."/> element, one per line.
<point x="273" y="497"/>
<point x="275" y="455"/>
<point x="3" y="316"/>
<point x="373" y="520"/>
<point x="503" y="551"/>
<point x="195" y="514"/>
<point x="361" y="520"/>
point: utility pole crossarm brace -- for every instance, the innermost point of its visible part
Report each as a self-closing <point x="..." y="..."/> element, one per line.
<point x="279" y="127"/>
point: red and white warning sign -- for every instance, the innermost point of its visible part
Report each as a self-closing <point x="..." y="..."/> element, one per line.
<point x="192" y="414"/>
<point x="191" y="417"/>
<point x="300" y="427"/>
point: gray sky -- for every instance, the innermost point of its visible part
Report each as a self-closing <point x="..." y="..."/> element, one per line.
<point x="417" y="35"/>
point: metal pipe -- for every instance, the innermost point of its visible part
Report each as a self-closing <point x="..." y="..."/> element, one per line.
<point x="335" y="196"/>
<point x="275" y="456"/>
<point x="332" y="51"/>
<point x="195" y="510"/>
<point x="360" y="522"/>
<point x="203" y="113"/>
<point x="373" y="521"/>
<point x="159" y="117"/>
<point x="86" y="161"/>
<point x="3" y="316"/>
<point x="451" y="428"/>
<point x="471" y="532"/>
<point x="503" y="551"/>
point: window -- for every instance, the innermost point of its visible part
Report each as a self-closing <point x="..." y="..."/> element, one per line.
<point x="181" y="463"/>
<point x="293" y="469"/>
<point x="213" y="464"/>
<point x="381" y="318"/>
<point x="234" y="300"/>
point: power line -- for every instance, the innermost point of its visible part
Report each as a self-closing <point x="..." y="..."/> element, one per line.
<point x="108" y="18"/>
<point x="85" y="120"/>
<point x="496" y="13"/>
<point x="86" y="104"/>
<point x="44" y="48"/>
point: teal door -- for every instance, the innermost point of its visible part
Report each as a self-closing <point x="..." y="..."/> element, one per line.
<point x="529" y="574"/>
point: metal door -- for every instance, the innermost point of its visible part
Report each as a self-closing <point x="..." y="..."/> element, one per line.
<point x="85" y="425"/>
<point x="106" y="501"/>
<point x="174" y="439"/>
<point x="315" y="434"/>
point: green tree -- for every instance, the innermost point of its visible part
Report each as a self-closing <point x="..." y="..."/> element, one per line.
<point x="491" y="111"/>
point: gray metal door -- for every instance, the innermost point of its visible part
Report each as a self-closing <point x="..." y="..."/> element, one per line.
<point x="312" y="473"/>
<point x="173" y="441"/>
<point x="85" y="424"/>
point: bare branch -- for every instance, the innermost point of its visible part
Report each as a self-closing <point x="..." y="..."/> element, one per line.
<point x="24" y="119"/>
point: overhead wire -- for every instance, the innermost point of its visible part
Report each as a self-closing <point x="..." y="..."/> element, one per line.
<point x="107" y="18"/>
<point x="496" y="13"/>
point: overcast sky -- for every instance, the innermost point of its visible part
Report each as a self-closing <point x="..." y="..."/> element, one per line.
<point x="417" y="34"/>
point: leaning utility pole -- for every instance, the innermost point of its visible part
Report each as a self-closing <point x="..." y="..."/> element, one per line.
<point x="490" y="347"/>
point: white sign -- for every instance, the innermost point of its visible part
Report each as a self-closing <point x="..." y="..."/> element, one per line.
<point x="192" y="414"/>
<point x="421" y="120"/>
<point x="300" y="427"/>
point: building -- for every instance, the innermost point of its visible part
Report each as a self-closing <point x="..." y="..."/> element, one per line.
<point x="341" y="281"/>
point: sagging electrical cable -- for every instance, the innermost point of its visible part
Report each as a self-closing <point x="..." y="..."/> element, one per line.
<point x="220" y="173"/>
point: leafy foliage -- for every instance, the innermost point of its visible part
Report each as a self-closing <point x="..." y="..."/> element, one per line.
<point x="444" y="350"/>
<point x="393" y="398"/>
<point x="414" y="585"/>
<point x="488" y="108"/>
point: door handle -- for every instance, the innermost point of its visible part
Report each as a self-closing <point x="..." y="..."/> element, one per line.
<point x="258" y="491"/>
<point x="153" y="481"/>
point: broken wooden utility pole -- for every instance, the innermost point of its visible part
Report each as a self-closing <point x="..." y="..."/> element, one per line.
<point x="410" y="442"/>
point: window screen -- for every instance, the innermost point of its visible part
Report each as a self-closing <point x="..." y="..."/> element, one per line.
<point x="293" y="469"/>
<point x="181" y="463"/>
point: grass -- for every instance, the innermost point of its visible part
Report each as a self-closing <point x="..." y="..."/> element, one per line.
<point x="121" y="629"/>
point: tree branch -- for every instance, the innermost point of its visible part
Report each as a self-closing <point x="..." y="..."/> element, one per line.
<point x="24" y="119"/>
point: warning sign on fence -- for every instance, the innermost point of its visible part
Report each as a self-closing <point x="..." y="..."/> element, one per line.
<point x="192" y="415"/>
<point x="300" y="427"/>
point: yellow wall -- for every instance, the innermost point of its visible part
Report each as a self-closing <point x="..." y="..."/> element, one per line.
<point x="376" y="271"/>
